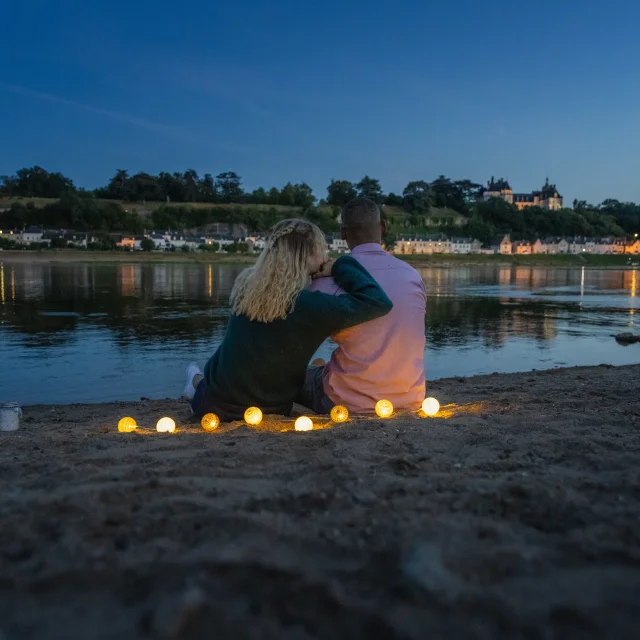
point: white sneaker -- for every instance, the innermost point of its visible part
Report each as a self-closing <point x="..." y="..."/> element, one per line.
<point x="192" y="371"/>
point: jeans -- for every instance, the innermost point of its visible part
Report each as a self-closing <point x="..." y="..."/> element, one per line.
<point x="312" y="394"/>
<point x="201" y="404"/>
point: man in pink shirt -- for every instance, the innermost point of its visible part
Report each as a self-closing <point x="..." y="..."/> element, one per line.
<point x="383" y="358"/>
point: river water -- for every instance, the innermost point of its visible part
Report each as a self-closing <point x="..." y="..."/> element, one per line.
<point x="90" y="332"/>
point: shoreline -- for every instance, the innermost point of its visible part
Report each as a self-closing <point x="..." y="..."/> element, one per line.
<point x="418" y="261"/>
<point x="514" y="513"/>
<point x="436" y="384"/>
<point x="444" y="385"/>
<point x="118" y="257"/>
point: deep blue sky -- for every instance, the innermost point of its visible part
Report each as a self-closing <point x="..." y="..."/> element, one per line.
<point x="309" y="91"/>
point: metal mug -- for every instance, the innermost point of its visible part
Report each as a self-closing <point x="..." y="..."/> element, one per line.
<point x="10" y="414"/>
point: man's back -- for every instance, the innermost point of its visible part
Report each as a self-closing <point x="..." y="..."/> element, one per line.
<point x="383" y="358"/>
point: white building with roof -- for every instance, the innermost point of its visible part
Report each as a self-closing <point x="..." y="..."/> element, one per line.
<point x="556" y="245"/>
<point x="619" y="245"/>
<point x="438" y="243"/>
<point x="577" y="246"/>
<point x="256" y="243"/>
<point x="337" y="245"/>
<point x="29" y="236"/>
<point x="465" y="245"/>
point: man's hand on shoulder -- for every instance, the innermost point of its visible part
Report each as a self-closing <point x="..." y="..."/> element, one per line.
<point x="324" y="271"/>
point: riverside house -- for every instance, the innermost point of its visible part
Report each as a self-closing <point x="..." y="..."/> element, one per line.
<point x="465" y="245"/>
<point x="577" y="246"/>
<point x="502" y="244"/>
<point x="633" y="247"/>
<point x="556" y="245"/>
<point x="336" y="244"/>
<point x="604" y="246"/>
<point x="28" y="236"/>
<point x="438" y="243"/>
<point x="521" y="247"/>
<point x="619" y="245"/>
<point x="128" y="242"/>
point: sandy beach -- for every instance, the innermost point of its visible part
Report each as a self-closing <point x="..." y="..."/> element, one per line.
<point x="514" y="514"/>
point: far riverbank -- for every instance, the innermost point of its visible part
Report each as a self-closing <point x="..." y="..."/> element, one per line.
<point x="434" y="260"/>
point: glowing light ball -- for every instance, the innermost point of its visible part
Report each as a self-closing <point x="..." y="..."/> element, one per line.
<point x="210" y="422"/>
<point x="430" y="406"/>
<point x="303" y="423"/>
<point x="384" y="408"/>
<point x="339" y="413"/>
<point x="165" y="425"/>
<point x="127" y="425"/>
<point x="253" y="416"/>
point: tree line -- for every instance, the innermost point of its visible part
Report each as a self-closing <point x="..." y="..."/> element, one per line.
<point x="422" y="206"/>
<point x="226" y="188"/>
<point x="82" y="213"/>
<point x="495" y="216"/>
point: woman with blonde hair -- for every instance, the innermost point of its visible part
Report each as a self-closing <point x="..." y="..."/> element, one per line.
<point x="276" y="324"/>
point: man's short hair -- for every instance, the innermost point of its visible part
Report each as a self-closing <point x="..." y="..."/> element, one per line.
<point x="360" y="214"/>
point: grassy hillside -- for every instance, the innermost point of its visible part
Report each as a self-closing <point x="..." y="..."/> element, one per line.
<point x="148" y="207"/>
<point x="396" y="215"/>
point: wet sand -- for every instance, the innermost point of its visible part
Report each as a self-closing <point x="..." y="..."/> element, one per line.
<point x="515" y="514"/>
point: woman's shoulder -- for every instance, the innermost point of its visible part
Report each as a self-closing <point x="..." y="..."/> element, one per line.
<point x="305" y="297"/>
<point x="308" y="301"/>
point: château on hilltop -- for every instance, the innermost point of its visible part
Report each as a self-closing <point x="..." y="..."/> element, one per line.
<point x="547" y="198"/>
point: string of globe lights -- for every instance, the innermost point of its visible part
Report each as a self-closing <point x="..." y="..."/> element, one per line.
<point x="253" y="417"/>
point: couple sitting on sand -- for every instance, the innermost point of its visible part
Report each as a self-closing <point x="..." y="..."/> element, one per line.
<point x="370" y="303"/>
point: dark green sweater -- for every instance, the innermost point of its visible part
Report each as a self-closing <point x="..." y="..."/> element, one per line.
<point x="263" y="364"/>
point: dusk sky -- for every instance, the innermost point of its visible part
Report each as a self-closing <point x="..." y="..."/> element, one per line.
<point x="309" y="91"/>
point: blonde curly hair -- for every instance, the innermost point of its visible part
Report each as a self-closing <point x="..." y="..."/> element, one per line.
<point x="268" y="290"/>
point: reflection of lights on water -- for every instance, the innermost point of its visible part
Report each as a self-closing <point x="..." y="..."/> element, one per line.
<point x="253" y="416"/>
<point x="127" y="425"/>
<point x="339" y="413"/>
<point x="582" y="282"/>
<point x="2" y="284"/>
<point x="304" y="423"/>
<point x="128" y="280"/>
<point x="210" y="422"/>
<point x="430" y="406"/>
<point x="210" y="280"/>
<point x="634" y="284"/>
<point x="384" y="408"/>
<point x="165" y="425"/>
<point x="13" y="285"/>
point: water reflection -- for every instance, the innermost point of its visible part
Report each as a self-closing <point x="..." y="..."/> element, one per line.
<point x="135" y="302"/>
<point x="69" y="331"/>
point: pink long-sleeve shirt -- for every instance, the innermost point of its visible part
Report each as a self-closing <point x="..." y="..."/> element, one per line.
<point x="383" y="358"/>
